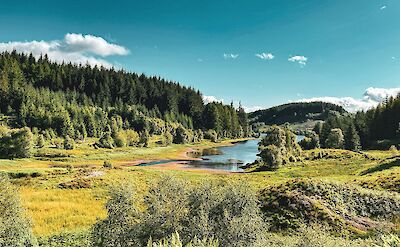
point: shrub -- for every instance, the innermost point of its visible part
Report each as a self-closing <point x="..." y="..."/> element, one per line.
<point x="120" y="139"/>
<point x="40" y="141"/>
<point x="15" y="229"/>
<point x="227" y="212"/>
<point x="166" y="138"/>
<point x="211" y="135"/>
<point x="105" y="141"/>
<point x="58" y="143"/>
<point x="69" y="143"/>
<point x="132" y="138"/>
<point x="107" y="164"/>
<point x="144" y="138"/>
<point x="175" y="241"/>
<point x="16" y="143"/>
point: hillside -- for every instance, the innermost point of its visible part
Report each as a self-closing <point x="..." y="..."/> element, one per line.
<point x="295" y="113"/>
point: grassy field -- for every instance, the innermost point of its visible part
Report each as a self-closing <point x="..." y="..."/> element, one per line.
<point x="66" y="190"/>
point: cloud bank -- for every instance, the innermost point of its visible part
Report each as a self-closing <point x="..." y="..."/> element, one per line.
<point x="74" y="48"/>
<point x="371" y="98"/>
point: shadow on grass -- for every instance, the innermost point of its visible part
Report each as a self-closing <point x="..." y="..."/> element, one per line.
<point x="383" y="166"/>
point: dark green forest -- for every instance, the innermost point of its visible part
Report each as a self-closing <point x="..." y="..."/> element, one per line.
<point x="79" y="101"/>
<point x="295" y="112"/>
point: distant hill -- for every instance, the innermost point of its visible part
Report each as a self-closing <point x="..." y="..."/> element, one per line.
<point x="295" y="113"/>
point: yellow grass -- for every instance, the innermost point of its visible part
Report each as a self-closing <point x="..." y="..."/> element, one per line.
<point x="56" y="210"/>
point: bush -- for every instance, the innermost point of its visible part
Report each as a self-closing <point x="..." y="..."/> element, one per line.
<point x="16" y="143"/>
<point x="166" y="138"/>
<point x="40" y="141"/>
<point x="182" y="136"/>
<point x="132" y="138"/>
<point x="175" y="241"/>
<point x="58" y="143"/>
<point x="105" y="141"/>
<point x="15" y="229"/>
<point x="211" y="135"/>
<point x="69" y="143"/>
<point x="107" y="164"/>
<point x="227" y="212"/>
<point x="144" y="138"/>
<point x="120" y="139"/>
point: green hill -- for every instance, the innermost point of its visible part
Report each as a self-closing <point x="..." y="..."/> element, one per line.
<point x="295" y="113"/>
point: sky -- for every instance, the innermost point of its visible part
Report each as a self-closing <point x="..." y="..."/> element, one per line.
<point x="260" y="53"/>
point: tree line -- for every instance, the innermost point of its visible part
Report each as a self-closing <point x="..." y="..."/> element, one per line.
<point x="119" y="108"/>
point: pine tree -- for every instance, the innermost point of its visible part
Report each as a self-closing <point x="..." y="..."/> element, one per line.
<point x="352" y="139"/>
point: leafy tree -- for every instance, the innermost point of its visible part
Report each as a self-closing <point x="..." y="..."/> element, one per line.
<point x="335" y="139"/>
<point x="311" y="141"/>
<point x="132" y="138"/>
<point x="144" y="138"/>
<point x="105" y="141"/>
<point x="120" y="139"/>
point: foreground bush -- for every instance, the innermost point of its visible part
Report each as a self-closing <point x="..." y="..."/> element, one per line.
<point x="344" y="208"/>
<point x="175" y="241"/>
<point x="227" y="212"/>
<point x="15" y="229"/>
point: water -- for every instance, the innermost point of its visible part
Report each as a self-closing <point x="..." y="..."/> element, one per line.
<point x="229" y="158"/>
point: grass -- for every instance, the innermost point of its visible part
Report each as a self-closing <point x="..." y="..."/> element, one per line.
<point x="55" y="210"/>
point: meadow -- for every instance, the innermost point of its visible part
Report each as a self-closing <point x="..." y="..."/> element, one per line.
<point x="64" y="191"/>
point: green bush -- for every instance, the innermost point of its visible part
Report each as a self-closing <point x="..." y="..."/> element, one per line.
<point x="40" y="141"/>
<point x="132" y="138"/>
<point x="211" y="135"/>
<point x="227" y="212"/>
<point x="69" y="143"/>
<point x="105" y="141"/>
<point x="15" y="229"/>
<point x="120" y="139"/>
<point x="16" y="143"/>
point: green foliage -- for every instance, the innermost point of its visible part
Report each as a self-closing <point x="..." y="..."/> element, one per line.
<point x="17" y="143"/>
<point x="211" y="135"/>
<point x="132" y="138"/>
<point x="182" y="136"/>
<point x="167" y="138"/>
<point x="106" y="141"/>
<point x="341" y="207"/>
<point x="144" y="138"/>
<point x="175" y="241"/>
<point x="352" y="139"/>
<point x="335" y="139"/>
<point x="69" y="143"/>
<point x="40" y="141"/>
<point x="15" y="229"/>
<point x="277" y="148"/>
<point x="120" y="139"/>
<point x="81" y="239"/>
<point x="295" y="112"/>
<point x="311" y="141"/>
<point x="223" y="211"/>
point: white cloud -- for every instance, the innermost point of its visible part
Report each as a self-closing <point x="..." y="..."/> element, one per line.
<point x="383" y="7"/>
<point x="252" y="108"/>
<point x="302" y="60"/>
<point x="74" y="48"/>
<point x="371" y="98"/>
<point x="230" y="56"/>
<point x="209" y="99"/>
<point x="89" y="43"/>
<point x="265" y="56"/>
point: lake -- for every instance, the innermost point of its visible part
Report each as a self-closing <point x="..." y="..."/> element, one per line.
<point x="228" y="158"/>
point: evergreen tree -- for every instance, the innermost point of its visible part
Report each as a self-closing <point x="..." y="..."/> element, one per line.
<point x="352" y="139"/>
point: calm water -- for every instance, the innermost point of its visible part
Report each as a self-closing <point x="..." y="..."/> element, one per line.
<point x="230" y="158"/>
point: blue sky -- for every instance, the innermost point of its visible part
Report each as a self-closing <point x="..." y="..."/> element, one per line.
<point x="337" y="48"/>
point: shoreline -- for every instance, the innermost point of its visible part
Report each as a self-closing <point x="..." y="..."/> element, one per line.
<point x="181" y="164"/>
